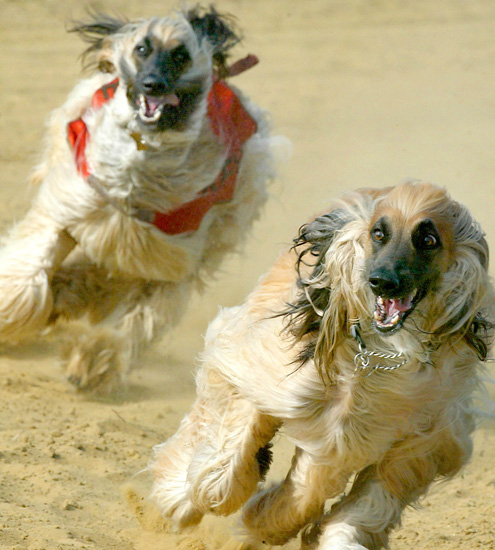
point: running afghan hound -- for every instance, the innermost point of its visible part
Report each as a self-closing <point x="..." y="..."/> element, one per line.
<point x="363" y="345"/>
<point x="154" y="169"/>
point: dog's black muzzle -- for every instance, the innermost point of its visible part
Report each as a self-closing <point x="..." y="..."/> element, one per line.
<point x="154" y="84"/>
<point x="391" y="283"/>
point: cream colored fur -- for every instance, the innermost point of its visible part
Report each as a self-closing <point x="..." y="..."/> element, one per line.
<point x="79" y="254"/>
<point x="396" y="430"/>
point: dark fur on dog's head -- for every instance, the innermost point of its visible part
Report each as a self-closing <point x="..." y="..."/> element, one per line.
<point x="423" y="244"/>
<point x="312" y="244"/>
<point x="220" y="30"/>
<point x="95" y="32"/>
<point x="411" y="251"/>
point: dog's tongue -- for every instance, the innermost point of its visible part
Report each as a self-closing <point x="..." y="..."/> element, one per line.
<point x="398" y="304"/>
<point x="153" y="103"/>
<point x="390" y="311"/>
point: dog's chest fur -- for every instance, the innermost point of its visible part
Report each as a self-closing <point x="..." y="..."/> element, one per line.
<point x="159" y="172"/>
<point x="163" y="173"/>
<point x="334" y="421"/>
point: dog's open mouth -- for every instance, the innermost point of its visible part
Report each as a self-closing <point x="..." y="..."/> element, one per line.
<point x="151" y="107"/>
<point x="390" y="313"/>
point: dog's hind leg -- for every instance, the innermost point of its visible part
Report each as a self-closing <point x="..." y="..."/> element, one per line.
<point x="31" y="254"/>
<point x="217" y="458"/>
<point x="81" y="288"/>
<point x="278" y="513"/>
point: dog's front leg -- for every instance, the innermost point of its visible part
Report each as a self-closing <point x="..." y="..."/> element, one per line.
<point x="217" y="458"/>
<point x="31" y="254"/>
<point x="278" y="513"/>
<point x="170" y="467"/>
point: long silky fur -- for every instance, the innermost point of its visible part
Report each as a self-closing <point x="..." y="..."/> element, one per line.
<point x="221" y="31"/>
<point x="324" y="310"/>
<point x="94" y="31"/>
<point x="304" y="316"/>
<point x="392" y="430"/>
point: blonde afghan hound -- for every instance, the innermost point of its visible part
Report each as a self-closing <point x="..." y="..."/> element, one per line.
<point x="362" y="345"/>
<point x="153" y="170"/>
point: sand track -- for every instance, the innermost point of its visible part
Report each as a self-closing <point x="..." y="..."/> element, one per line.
<point x="370" y="92"/>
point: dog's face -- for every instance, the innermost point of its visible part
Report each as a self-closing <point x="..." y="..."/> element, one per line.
<point x="408" y="253"/>
<point x="382" y="256"/>
<point x="165" y="64"/>
<point x="166" y="74"/>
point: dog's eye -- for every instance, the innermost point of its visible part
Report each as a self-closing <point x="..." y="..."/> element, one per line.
<point x="425" y="236"/>
<point x="430" y="241"/>
<point x="143" y="49"/>
<point x="181" y="55"/>
<point x="377" y="235"/>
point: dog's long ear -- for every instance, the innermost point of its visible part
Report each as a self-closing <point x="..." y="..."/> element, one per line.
<point x="319" y="314"/>
<point x="467" y="303"/>
<point x="97" y="32"/>
<point x="219" y="30"/>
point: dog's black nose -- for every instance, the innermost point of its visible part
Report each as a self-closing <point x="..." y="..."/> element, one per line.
<point x="384" y="282"/>
<point x="154" y="84"/>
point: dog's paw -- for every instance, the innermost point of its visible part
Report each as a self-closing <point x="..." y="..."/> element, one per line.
<point x="340" y="536"/>
<point x="95" y="361"/>
<point x="168" y="494"/>
<point x="267" y="519"/>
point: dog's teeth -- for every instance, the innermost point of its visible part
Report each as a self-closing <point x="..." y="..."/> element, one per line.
<point x="377" y="315"/>
<point x="380" y="305"/>
<point x="395" y="318"/>
<point x="158" y="113"/>
<point x="142" y="108"/>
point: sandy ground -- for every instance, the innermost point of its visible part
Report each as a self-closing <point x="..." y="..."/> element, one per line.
<point x="369" y="92"/>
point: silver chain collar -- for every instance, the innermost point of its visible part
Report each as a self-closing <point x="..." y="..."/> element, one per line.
<point x="362" y="358"/>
